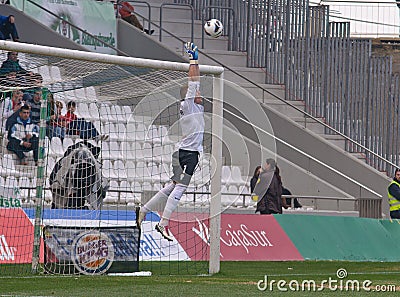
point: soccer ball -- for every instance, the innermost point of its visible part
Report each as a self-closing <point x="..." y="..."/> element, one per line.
<point x="213" y="28"/>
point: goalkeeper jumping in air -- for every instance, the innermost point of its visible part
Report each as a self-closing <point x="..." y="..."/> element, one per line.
<point x="184" y="161"/>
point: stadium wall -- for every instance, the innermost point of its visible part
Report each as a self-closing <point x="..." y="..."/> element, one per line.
<point x="343" y="238"/>
<point x="244" y="237"/>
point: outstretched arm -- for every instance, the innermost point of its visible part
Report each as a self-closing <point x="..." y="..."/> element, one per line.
<point x="194" y="70"/>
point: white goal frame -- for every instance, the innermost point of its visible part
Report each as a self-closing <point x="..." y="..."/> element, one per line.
<point x="217" y="124"/>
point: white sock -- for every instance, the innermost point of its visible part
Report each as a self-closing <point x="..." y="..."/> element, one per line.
<point x="161" y="195"/>
<point x="172" y="203"/>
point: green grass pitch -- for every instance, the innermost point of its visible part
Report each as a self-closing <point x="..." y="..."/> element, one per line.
<point x="235" y="279"/>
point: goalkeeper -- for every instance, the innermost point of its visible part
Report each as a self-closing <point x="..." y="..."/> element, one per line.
<point x="185" y="160"/>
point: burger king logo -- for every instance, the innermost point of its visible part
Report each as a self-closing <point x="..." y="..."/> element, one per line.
<point x="92" y="252"/>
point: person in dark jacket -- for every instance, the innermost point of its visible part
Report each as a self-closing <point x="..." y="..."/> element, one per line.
<point x="269" y="187"/>
<point x="254" y="179"/>
<point x="8" y="28"/>
<point x="12" y="65"/>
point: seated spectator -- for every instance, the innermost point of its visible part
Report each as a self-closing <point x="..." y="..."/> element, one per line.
<point x="13" y="74"/>
<point x="23" y="136"/>
<point x="296" y="203"/>
<point x="79" y="126"/>
<point x="8" y="28"/>
<point x="56" y="127"/>
<point x="70" y="116"/>
<point x="12" y="65"/>
<point x="35" y="105"/>
<point x="8" y="106"/>
<point x="126" y="10"/>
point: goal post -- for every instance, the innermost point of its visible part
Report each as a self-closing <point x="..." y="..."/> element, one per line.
<point x="119" y="83"/>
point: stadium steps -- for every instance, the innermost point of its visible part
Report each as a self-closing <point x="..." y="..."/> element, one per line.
<point x="313" y="141"/>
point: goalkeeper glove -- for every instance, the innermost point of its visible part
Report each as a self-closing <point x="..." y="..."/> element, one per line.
<point x="192" y="51"/>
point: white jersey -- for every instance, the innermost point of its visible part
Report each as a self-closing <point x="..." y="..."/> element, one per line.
<point x="192" y="120"/>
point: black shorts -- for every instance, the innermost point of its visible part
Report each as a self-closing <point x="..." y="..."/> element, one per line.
<point x="184" y="163"/>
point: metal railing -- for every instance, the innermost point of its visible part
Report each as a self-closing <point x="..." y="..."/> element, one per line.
<point x="176" y="4"/>
<point x="367" y="207"/>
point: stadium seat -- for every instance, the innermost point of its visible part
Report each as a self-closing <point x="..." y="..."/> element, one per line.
<point x="126" y="113"/>
<point x="91" y="94"/>
<point x="130" y="131"/>
<point x="164" y="135"/>
<point x="237" y="200"/>
<point x="94" y="111"/>
<point x="115" y="151"/>
<point x="141" y="171"/>
<point x="82" y="111"/>
<point x="69" y="96"/>
<point x="140" y="132"/>
<point x="128" y="197"/>
<point x="151" y="173"/>
<point x="55" y="73"/>
<point x="44" y="71"/>
<point x="68" y="141"/>
<point x="50" y="165"/>
<point x="11" y="182"/>
<point x="130" y="170"/>
<point x="158" y="153"/>
<point x="24" y="184"/>
<point x="133" y="151"/>
<point x="47" y="195"/>
<point x="146" y="186"/>
<point x="57" y="147"/>
<point x="151" y="135"/>
<point x="108" y="128"/>
<point x="80" y="94"/>
<point x="236" y="177"/>
<point x="118" y="133"/>
<point x="104" y="112"/>
<point x="147" y="151"/>
<point x="107" y="169"/>
<point x="225" y="174"/>
<point x="120" y="170"/>
<point x="105" y="150"/>
<point x="112" y="195"/>
<point x="226" y="199"/>
<point x="165" y="172"/>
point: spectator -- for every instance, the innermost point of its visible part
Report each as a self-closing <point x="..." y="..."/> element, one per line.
<point x="35" y="104"/>
<point x="126" y="10"/>
<point x="56" y="127"/>
<point x="394" y="196"/>
<point x="269" y="187"/>
<point x="79" y="126"/>
<point x="8" y="28"/>
<point x="8" y="106"/>
<point x="254" y="179"/>
<point x="12" y="65"/>
<point x="23" y="136"/>
<point x="70" y="116"/>
<point x="296" y="203"/>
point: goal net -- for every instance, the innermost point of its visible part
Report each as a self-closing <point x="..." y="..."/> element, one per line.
<point x="102" y="131"/>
